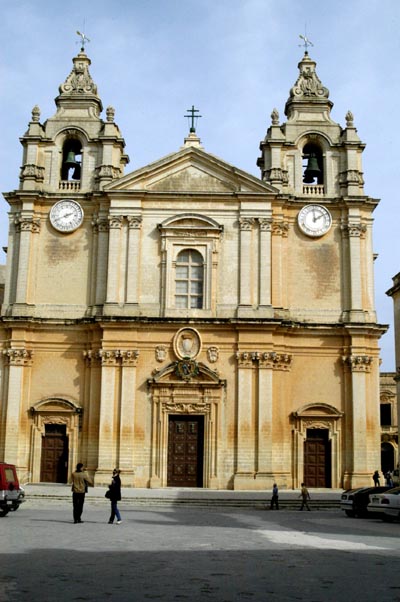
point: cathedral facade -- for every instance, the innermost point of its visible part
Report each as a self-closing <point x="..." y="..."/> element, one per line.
<point x="188" y="322"/>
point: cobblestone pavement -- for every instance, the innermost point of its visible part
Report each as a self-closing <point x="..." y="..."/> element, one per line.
<point x="194" y="554"/>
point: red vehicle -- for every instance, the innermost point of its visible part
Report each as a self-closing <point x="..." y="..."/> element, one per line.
<point x="11" y="494"/>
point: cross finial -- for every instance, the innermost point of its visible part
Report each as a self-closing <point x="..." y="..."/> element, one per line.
<point x="306" y="42"/>
<point x="84" y="40"/>
<point x="192" y="117"/>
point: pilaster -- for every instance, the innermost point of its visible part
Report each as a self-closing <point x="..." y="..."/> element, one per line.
<point x="19" y="359"/>
<point x="134" y="226"/>
<point x="246" y="226"/>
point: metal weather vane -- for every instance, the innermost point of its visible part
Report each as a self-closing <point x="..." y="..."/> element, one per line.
<point x="306" y="42"/>
<point x="84" y="40"/>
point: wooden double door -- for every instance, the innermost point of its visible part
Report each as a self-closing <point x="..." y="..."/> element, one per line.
<point x="54" y="462"/>
<point x="317" y="458"/>
<point x="185" y="451"/>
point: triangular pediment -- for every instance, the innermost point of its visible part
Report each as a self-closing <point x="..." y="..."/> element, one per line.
<point x="191" y="170"/>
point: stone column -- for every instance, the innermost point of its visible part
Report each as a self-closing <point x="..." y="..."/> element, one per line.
<point x="134" y="225"/>
<point x="26" y="226"/>
<point x="113" y="269"/>
<point x="265" y="261"/>
<point x="245" y="419"/>
<point x="18" y="359"/>
<point x="245" y="291"/>
<point x="127" y="414"/>
<point x="107" y="451"/>
<point x="359" y="366"/>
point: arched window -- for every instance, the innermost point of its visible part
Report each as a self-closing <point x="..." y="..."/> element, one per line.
<point x="189" y="277"/>
<point x="313" y="165"/>
<point x="71" y="160"/>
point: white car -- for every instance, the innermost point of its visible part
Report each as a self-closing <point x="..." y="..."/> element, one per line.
<point x="386" y="504"/>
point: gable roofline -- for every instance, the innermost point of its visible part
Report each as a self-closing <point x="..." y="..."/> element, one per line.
<point x="199" y="156"/>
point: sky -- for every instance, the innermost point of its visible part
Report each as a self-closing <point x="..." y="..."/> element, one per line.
<point x="235" y="60"/>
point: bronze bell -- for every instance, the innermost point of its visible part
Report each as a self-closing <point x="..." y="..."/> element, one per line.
<point x="312" y="170"/>
<point x="70" y="160"/>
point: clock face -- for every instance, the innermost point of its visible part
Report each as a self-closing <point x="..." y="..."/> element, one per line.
<point x="66" y="215"/>
<point x="314" y="220"/>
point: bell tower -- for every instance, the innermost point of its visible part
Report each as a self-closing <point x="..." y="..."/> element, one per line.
<point x="323" y="276"/>
<point x="75" y="150"/>
<point x="67" y="162"/>
<point x="310" y="155"/>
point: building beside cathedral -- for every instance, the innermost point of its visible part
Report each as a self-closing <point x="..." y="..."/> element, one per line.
<point x="394" y="292"/>
<point x="188" y="322"/>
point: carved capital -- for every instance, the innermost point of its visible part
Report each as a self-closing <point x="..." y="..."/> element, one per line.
<point x="246" y="223"/>
<point x="275" y="361"/>
<point x="358" y="363"/>
<point x="109" y="357"/>
<point x="264" y="359"/>
<point x="354" y="230"/>
<point x="129" y="357"/>
<point x="19" y="357"/>
<point x="27" y="224"/>
<point x="265" y="224"/>
<point x="134" y="222"/>
<point x="115" y="222"/>
<point x="244" y="359"/>
<point x="280" y="228"/>
<point x="100" y="224"/>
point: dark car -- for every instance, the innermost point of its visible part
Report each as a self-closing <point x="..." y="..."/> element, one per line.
<point x="355" y="501"/>
<point x="11" y="494"/>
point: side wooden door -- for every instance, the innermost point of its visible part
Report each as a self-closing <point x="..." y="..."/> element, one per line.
<point x="185" y="451"/>
<point x="54" y="461"/>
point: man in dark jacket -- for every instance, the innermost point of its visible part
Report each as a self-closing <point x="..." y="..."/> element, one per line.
<point x="115" y="496"/>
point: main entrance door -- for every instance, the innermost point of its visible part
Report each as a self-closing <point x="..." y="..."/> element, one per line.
<point x="54" y="463"/>
<point x="185" y="451"/>
<point x="317" y="458"/>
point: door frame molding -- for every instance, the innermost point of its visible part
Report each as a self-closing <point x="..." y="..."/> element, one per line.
<point x="316" y="416"/>
<point x="53" y="411"/>
<point x="203" y="394"/>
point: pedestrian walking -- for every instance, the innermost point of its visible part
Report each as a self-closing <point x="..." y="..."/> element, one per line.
<point x="275" y="497"/>
<point x="375" y="478"/>
<point x="80" y="482"/>
<point x="305" y="496"/>
<point x="389" y="479"/>
<point x="114" y="490"/>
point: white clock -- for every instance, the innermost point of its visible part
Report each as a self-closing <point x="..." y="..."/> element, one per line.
<point x="314" y="220"/>
<point x="66" y="215"/>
